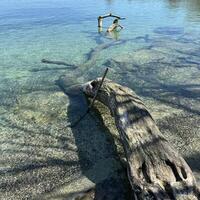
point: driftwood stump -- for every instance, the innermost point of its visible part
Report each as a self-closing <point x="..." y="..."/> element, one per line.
<point x="155" y="169"/>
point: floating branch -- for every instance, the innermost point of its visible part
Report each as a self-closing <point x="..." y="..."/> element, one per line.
<point x="48" y="69"/>
<point x="68" y="66"/>
<point x="58" y="63"/>
<point x="100" y="19"/>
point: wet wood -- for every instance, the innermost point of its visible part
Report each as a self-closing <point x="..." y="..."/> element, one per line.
<point x="112" y="27"/>
<point x="57" y="63"/>
<point x="100" y="18"/>
<point x="155" y="169"/>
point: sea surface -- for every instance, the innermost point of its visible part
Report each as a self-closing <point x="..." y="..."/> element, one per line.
<point x="157" y="54"/>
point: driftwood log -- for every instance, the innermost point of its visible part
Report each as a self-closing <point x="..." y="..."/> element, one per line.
<point x="155" y="169"/>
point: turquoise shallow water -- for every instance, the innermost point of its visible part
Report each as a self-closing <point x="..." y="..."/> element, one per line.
<point x="157" y="54"/>
<point x="67" y="31"/>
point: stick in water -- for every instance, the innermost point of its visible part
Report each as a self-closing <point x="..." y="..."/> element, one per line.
<point x="93" y="100"/>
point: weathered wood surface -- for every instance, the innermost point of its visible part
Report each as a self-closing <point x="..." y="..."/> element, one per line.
<point x="155" y="169"/>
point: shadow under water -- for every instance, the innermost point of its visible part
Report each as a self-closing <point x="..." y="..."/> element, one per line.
<point x="98" y="157"/>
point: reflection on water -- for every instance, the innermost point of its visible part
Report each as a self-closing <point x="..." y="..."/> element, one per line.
<point x="192" y="8"/>
<point x="156" y="54"/>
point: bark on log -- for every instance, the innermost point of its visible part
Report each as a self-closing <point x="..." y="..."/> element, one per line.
<point x="155" y="169"/>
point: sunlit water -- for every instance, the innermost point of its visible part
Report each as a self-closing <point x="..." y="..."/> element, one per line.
<point x="157" y="54"/>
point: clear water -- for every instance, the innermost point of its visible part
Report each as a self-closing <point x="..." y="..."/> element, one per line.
<point x="157" y="54"/>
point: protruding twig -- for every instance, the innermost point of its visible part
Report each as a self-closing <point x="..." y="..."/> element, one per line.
<point x="92" y="102"/>
<point x="111" y="15"/>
